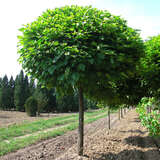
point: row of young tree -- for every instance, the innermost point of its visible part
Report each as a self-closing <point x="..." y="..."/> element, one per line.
<point x="91" y="51"/>
<point x="14" y="93"/>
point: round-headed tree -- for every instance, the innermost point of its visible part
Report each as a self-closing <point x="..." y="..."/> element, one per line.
<point x="150" y="66"/>
<point x="132" y="90"/>
<point x="79" y="48"/>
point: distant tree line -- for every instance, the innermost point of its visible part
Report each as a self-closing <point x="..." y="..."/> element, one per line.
<point x="15" y="92"/>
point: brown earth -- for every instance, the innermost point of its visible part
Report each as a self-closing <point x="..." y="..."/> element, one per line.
<point x="8" y="118"/>
<point x="127" y="140"/>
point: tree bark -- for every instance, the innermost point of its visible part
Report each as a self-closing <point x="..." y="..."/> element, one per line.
<point x="109" y="119"/>
<point x="81" y="123"/>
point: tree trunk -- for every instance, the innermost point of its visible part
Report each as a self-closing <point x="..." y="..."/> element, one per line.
<point x="109" y="119"/>
<point x="148" y="109"/>
<point x="119" y="114"/>
<point x="81" y="123"/>
<point x="124" y="110"/>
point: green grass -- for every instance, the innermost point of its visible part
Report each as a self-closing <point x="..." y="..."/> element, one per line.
<point x="94" y="113"/>
<point x="28" y="128"/>
<point x="9" y="142"/>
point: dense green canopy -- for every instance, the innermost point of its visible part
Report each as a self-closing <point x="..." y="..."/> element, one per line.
<point x="132" y="90"/>
<point x="151" y="65"/>
<point x="80" y="47"/>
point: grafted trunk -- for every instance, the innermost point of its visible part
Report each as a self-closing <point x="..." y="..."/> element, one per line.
<point x="81" y="123"/>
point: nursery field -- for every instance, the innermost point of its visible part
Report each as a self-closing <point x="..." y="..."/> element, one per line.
<point x="24" y="133"/>
<point x="127" y="139"/>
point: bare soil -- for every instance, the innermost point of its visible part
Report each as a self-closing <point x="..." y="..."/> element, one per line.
<point x="127" y="140"/>
<point x="8" y="118"/>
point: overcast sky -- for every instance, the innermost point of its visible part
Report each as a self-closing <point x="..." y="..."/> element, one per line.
<point x="140" y="14"/>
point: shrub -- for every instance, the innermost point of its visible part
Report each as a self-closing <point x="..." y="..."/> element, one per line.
<point x="149" y="119"/>
<point x="31" y="106"/>
<point x="41" y="98"/>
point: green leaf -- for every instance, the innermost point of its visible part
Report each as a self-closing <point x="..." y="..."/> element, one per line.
<point x="61" y="77"/>
<point x="91" y="61"/>
<point x="81" y="67"/>
<point x="51" y="69"/>
<point x="55" y="43"/>
<point x="75" y="76"/>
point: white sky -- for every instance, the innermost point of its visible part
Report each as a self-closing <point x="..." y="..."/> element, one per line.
<point x="140" y="14"/>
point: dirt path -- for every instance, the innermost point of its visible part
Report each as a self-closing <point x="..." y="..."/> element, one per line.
<point x="127" y="140"/>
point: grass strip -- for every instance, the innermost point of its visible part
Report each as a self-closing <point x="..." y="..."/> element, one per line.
<point x="32" y="127"/>
<point x="15" y="144"/>
<point x="94" y="113"/>
<point x="28" y="128"/>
